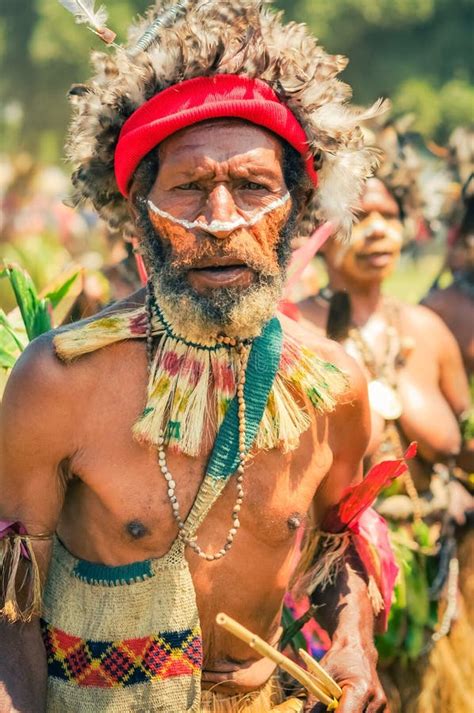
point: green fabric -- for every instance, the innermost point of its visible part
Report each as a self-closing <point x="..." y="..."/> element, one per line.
<point x="262" y="367"/>
<point x="104" y="574"/>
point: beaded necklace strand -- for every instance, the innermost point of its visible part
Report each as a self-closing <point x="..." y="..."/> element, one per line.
<point x="243" y="350"/>
<point x="388" y="370"/>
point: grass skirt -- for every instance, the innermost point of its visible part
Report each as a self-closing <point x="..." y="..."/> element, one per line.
<point x="443" y="680"/>
<point x="268" y="698"/>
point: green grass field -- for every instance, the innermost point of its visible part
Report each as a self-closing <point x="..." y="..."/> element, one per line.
<point x="411" y="281"/>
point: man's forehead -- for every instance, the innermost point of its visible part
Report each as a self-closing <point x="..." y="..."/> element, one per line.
<point x="220" y="140"/>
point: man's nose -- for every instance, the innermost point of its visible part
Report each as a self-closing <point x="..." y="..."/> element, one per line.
<point x="221" y="213"/>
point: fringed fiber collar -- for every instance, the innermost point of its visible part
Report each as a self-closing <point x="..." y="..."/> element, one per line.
<point x="191" y="387"/>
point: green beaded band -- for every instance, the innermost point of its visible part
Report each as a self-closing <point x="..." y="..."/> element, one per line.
<point x="261" y="371"/>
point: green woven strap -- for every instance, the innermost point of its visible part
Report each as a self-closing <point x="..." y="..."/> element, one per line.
<point x="262" y="367"/>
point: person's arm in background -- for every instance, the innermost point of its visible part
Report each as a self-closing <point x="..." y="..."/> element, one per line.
<point x="434" y="424"/>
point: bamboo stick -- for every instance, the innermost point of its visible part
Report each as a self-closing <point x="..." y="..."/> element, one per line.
<point x="261" y="646"/>
<point x="291" y="705"/>
<point x="317" y="670"/>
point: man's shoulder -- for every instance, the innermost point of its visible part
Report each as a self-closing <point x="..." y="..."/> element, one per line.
<point x="41" y="374"/>
<point x="38" y="365"/>
<point x="39" y="398"/>
<point x="39" y="381"/>
<point x="332" y="352"/>
<point x="81" y="337"/>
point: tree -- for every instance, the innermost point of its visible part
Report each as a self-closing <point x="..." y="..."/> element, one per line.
<point x="42" y="53"/>
<point x="417" y="53"/>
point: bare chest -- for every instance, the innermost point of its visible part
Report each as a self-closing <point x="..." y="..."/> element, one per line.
<point x="117" y="507"/>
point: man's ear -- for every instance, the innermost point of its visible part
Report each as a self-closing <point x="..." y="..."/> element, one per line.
<point x="132" y="200"/>
<point x="302" y="196"/>
<point x="305" y="201"/>
<point x="142" y="183"/>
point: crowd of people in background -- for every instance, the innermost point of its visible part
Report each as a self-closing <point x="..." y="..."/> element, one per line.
<point x="419" y="204"/>
<point x="434" y="188"/>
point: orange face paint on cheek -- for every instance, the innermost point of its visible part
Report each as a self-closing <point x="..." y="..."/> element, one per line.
<point x="179" y="241"/>
<point x="255" y="245"/>
<point x="266" y="235"/>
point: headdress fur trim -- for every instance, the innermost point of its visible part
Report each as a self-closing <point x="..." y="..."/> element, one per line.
<point x="236" y="37"/>
<point x="202" y="99"/>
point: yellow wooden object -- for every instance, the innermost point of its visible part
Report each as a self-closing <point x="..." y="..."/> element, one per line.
<point x="292" y="705"/>
<point x="322" y="687"/>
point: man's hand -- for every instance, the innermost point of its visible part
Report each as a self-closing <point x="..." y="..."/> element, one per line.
<point x="353" y="666"/>
<point x="352" y="658"/>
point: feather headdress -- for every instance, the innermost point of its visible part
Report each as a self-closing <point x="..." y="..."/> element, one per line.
<point x="400" y="166"/>
<point x="96" y="20"/>
<point x="205" y="37"/>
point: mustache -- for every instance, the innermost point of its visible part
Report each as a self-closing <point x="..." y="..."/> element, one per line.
<point x="210" y="255"/>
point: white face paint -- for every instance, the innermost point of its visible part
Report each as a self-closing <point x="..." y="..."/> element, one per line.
<point x="380" y="226"/>
<point x="219" y="228"/>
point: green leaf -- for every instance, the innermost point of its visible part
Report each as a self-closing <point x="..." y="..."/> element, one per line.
<point x="55" y="296"/>
<point x="34" y="311"/>
<point x="292" y="634"/>
<point x="7" y="359"/>
<point x="391" y="641"/>
<point x="418" y="600"/>
<point x="4" y="374"/>
<point x="415" y="640"/>
<point x="10" y="329"/>
<point x="422" y="534"/>
<point x="400" y="590"/>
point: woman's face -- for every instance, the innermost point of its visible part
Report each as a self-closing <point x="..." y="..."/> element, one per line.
<point x="376" y="241"/>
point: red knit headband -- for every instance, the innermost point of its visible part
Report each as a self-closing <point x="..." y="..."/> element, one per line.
<point x="199" y="99"/>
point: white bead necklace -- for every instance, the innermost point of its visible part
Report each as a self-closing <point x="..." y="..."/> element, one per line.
<point x="243" y="352"/>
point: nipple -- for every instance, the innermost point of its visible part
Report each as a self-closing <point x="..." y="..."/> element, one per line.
<point x="136" y="529"/>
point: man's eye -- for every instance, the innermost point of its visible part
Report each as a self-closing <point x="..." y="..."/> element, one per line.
<point x="188" y="186"/>
<point x="253" y="186"/>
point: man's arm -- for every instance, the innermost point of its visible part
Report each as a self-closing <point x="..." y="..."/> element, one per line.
<point x="34" y="440"/>
<point x="346" y="614"/>
<point x="345" y="610"/>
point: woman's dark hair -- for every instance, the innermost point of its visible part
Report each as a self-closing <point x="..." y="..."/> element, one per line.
<point x="339" y="317"/>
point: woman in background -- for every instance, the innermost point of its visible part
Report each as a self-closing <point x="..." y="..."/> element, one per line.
<point x="417" y="391"/>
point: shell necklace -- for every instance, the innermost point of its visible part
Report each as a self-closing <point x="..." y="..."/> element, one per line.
<point x="383" y="384"/>
<point x="243" y="350"/>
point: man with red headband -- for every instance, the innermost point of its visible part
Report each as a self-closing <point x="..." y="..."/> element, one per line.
<point x="162" y="461"/>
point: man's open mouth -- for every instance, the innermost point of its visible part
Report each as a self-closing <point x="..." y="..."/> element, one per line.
<point x="220" y="272"/>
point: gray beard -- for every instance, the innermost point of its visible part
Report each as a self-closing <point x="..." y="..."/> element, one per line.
<point x="233" y="311"/>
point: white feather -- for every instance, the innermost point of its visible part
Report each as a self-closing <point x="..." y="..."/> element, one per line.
<point x="83" y="11"/>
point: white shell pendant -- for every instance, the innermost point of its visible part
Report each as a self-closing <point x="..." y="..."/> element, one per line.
<point x="384" y="400"/>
